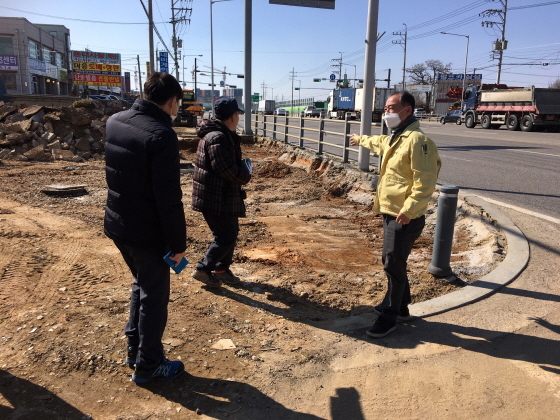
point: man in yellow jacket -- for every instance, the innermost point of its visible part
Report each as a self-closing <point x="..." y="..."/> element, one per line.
<point x="407" y="179"/>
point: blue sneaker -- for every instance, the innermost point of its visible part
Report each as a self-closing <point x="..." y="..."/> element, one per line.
<point x="131" y="352"/>
<point x="166" y="371"/>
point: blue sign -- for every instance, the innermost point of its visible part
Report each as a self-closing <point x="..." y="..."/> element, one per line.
<point x="163" y="62"/>
<point x="332" y="76"/>
<point x="458" y="77"/>
<point x="38" y="67"/>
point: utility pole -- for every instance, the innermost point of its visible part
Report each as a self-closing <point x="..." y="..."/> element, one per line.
<point x="499" y="45"/>
<point x="151" y="35"/>
<point x="369" y="81"/>
<point x="293" y="76"/>
<point x="195" y="79"/>
<point x="140" y="75"/>
<point x="263" y="90"/>
<point x="339" y="65"/>
<point x="177" y="43"/>
<point x="248" y="67"/>
<point x="403" y="43"/>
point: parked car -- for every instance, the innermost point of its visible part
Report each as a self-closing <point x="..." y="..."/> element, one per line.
<point x="280" y="111"/>
<point x="420" y="113"/>
<point x="452" y="117"/>
<point x="100" y="97"/>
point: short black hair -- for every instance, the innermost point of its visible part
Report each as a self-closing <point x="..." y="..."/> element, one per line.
<point x="406" y="98"/>
<point x="160" y="87"/>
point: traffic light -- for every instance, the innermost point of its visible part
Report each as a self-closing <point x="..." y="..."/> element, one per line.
<point x="296" y="88"/>
<point x="316" y="80"/>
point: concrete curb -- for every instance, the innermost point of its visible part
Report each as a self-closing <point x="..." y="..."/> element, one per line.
<point x="515" y="262"/>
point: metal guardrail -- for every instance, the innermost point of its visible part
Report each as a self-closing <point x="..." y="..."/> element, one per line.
<point x="263" y="127"/>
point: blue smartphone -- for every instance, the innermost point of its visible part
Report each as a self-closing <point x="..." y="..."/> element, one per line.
<point x="177" y="268"/>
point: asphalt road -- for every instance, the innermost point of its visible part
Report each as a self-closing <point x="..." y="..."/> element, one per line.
<point x="516" y="168"/>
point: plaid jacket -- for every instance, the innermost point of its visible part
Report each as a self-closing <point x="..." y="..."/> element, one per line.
<point x="219" y="172"/>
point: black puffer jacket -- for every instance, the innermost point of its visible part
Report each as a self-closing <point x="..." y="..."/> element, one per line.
<point x="219" y="171"/>
<point x="144" y="206"/>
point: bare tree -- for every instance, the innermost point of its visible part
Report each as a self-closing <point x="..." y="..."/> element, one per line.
<point x="425" y="74"/>
<point x="555" y="84"/>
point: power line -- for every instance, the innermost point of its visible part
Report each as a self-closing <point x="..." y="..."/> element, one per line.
<point x="79" y="20"/>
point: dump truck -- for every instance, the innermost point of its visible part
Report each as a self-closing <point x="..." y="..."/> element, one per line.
<point x="190" y="109"/>
<point x="525" y="109"/>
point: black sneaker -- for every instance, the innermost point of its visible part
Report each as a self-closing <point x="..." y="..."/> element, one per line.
<point x="206" y="277"/>
<point x="166" y="371"/>
<point x="403" y="316"/>
<point x="227" y="277"/>
<point x="381" y="328"/>
<point x="131" y="352"/>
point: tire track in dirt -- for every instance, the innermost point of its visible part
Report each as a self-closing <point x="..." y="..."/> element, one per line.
<point x="34" y="262"/>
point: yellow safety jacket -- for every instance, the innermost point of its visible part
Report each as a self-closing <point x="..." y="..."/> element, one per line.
<point x="408" y="174"/>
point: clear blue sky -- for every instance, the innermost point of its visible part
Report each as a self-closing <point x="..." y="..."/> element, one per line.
<point x="307" y="39"/>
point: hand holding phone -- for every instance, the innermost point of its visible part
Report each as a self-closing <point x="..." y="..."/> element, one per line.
<point x="175" y="266"/>
<point x="248" y="164"/>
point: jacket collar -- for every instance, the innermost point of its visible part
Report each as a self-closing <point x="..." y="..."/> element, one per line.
<point x="152" y="109"/>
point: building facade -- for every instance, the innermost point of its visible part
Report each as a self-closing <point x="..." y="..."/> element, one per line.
<point x="34" y="58"/>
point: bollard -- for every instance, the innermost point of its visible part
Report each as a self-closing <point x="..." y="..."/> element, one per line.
<point x="443" y="238"/>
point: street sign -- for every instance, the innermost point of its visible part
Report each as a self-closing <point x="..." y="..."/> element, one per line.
<point x="163" y="62"/>
<point x="319" y="4"/>
<point x="316" y="80"/>
<point x="332" y="77"/>
<point x="255" y="98"/>
<point x="419" y="88"/>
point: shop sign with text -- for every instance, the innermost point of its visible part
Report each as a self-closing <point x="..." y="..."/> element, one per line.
<point x="96" y="68"/>
<point x="8" y="62"/>
<point x="96" y="79"/>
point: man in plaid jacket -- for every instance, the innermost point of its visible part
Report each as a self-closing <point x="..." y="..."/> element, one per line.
<point x="219" y="174"/>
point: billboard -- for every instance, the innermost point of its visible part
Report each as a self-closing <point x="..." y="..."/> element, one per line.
<point x="100" y="57"/>
<point x="96" y="68"/>
<point x="96" y="79"/>
<point x="319" y="4"/>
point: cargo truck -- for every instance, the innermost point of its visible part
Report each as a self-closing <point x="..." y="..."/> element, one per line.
<point x="266" y="107"/>
<point x="349" y="100"/>
<point x="492" y="106"/>
<point x="380" y="96"/>
<point x="341" y="101"/>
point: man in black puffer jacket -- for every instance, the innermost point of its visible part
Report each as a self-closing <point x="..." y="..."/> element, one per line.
<point x="219" y="173"/>
<point x="144" y="216"/>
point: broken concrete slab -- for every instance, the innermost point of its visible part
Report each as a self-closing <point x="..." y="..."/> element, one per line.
<point x="31" y="110"/>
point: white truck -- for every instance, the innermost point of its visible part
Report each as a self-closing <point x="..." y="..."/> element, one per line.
<point x="311" y="111"/>
<point x="266" y="107"/>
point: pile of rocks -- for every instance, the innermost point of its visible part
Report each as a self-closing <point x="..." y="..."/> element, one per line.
<point x="42" y="133"/>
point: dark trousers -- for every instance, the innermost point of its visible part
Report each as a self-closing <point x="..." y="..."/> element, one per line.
<point x="397" y="244"/>
<point x="220" y="252"/>
<point x="148" y="302"/>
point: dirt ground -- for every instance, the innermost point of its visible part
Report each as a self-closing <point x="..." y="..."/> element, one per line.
<point x="304" y="254"/>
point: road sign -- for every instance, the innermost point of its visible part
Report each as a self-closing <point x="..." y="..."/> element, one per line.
<point x="419" y="88"/>
<point x="316" y="80"/>
<point x="163" y="62"/>
<point x="255" y="98"/>
<point x="332" y="77"/>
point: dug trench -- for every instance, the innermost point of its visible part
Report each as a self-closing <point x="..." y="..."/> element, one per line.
<point x="309" y="250"/>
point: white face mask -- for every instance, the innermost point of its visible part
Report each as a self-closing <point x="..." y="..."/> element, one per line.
<point x="392" y="120"/>
<point x="173" y="117"/>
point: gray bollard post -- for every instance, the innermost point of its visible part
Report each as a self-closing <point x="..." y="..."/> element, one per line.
<point x="443" y="238"/>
